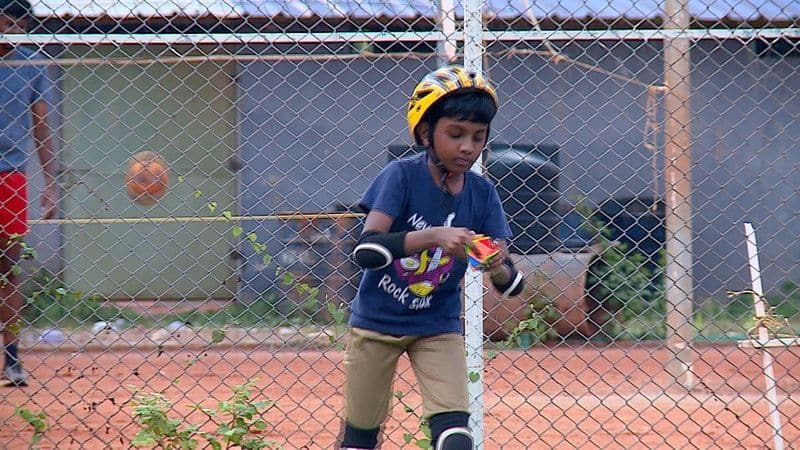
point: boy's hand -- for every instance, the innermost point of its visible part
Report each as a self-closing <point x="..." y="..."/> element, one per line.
<point x="453" y="240"/>
<point x="496" y="263"/>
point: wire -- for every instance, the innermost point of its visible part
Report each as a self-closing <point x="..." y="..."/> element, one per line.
<point x="206" y="219"/>
<point x="211" y="58"/>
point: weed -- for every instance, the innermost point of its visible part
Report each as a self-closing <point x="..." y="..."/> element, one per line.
<point x="238" y="423"/>
<point x="37" y="420"/>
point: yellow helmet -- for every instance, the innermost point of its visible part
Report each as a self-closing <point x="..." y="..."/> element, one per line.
<point x="439" y="83"/>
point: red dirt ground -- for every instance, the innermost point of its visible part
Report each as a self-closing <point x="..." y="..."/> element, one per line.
<point x="566" y="396"/>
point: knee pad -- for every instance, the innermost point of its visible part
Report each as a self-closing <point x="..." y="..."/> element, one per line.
<point x="458" y="438"/>
<point x="357" y="438"/>
<point x="449" y="431"/>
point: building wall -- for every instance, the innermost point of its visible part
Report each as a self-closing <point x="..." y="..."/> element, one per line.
<point x="314" y="134"/>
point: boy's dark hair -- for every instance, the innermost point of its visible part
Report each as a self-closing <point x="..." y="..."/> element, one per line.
<point x="18" y="9"/>
<point x="473" y="105"/>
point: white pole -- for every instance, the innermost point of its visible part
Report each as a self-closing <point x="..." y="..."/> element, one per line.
<point x="763" y="334"/>
<point x="473" y="282"/>
<point x="447" y="25"/>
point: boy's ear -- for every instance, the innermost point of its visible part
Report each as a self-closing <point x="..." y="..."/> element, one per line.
<point x="422" y="132"/>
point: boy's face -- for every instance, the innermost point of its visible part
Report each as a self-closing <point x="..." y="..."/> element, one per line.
<point x="458" y="143"/>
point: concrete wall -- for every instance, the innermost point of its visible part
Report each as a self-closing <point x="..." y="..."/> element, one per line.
<point x="314" y="134"/>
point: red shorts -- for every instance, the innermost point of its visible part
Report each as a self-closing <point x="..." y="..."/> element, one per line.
<point x="13" y="203"/>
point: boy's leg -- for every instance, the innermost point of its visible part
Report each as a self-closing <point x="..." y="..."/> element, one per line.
<point x="440" y="365"/>
<point x="370" y="362"/>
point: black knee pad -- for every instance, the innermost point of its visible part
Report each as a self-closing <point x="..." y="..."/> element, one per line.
<point x="449" y="431"/>
<point x="358" y="438"/>
<point x="456" y="439"/>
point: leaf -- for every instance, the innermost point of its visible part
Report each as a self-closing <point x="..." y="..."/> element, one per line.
<point x="227" y="214"/>
<point x="143" y="439"/>
<point x="236" y="431"/>
<point x="197" y="194"/>
<point x="212" y="206"/>
<point x="15" y="327"/>
<point x="252" y="237"/>
<point x="237" y="231"/>
<point x="267" y="259"/>
<point x="424" y="443"/>
<point x="474" y="377"/>
<point x="260" y="425"/>
<point x="217" y="335"/>
<point x="287" y="278"/>
<point x="181" y="178"/>
<point x="408" y="437"/>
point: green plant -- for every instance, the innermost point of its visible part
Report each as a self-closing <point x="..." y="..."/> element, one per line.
<point x="338" y="315"/>
<point x="37" y="420"/>
<point x="158" y="430"/>
<point x="425" y="441"/>
<point x="531" y="331"/>
<point x="50" y="303"/>
<point x="238" y="423"/>
<point x="631" y="291"/>
<point x="789" y="303"/>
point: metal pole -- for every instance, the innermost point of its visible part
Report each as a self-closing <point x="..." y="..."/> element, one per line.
<point x="677" y="190"/>
<point x="763" y="335"/>
<point x="447" y="25"/>
<point x="473" y="282"/>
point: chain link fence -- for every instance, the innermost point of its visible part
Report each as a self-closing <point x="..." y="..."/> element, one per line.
<point x="194" y="287"/>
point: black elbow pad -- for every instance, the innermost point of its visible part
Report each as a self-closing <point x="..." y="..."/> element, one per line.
<point x="377" y="250"/>
<point x="515" y="283"/>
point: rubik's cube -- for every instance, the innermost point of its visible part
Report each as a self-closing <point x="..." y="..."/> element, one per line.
<point x="482" y="253"/>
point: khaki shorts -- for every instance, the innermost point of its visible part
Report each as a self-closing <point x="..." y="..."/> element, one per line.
<point x="439" y="364"/>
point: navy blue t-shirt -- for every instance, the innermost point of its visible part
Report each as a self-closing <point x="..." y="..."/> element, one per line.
<point x="420" y="295"/>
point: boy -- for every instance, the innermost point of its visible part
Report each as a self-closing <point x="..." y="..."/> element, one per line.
<point x="23" y="113"/>
<point x="422" y="213"/>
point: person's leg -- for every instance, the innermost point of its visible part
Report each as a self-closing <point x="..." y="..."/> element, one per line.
<point x="440" y="365"/>
<point x="13" y="221"/>
<point x="11" y="304"/>
<point x="370" y="362"/>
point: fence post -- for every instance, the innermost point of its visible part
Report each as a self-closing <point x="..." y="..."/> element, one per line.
<point x="677" y="192"/>
<point x="473" y="282"/>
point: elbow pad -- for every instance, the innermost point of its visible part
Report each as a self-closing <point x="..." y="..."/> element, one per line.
<point x="377" y="250"/>
<point x="515" y="283"/>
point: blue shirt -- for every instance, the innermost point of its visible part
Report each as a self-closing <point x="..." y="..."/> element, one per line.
<point x="20" y="87"/>
<point x="420" y="295"/>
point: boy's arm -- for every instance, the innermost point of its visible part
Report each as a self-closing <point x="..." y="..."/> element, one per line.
<point x="415" y="241"/>
<point x="504" y="276"/>
<point x="376" y="236"/>
<point x="499" y="272"/>
<point x="44" y="148"/>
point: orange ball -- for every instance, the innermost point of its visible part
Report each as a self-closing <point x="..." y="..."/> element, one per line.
<point x="146" y="178"/>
